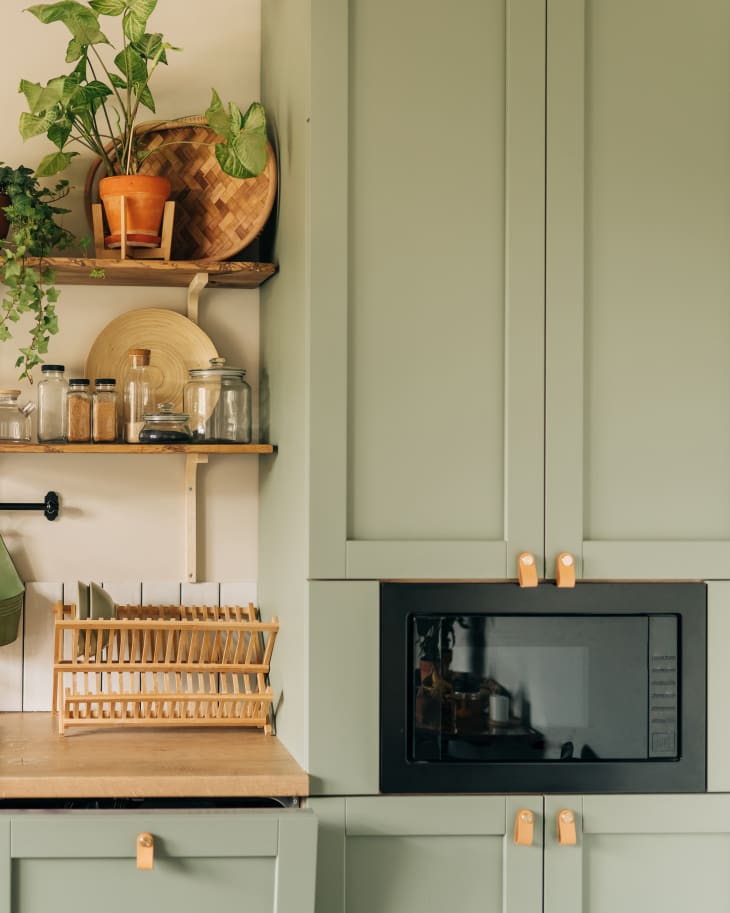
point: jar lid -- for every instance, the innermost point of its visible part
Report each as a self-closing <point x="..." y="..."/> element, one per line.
<point x="12" y="393"/>
<point x="79" y="381"/>
<point x="165" y="414"/>
<point x="142" y="356"/>
<point x="105" y="380"/>
<point x="218" y="368"/>
<point x="45" y="368"/>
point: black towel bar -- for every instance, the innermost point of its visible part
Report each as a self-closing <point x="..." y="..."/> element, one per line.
<point x="49" y="506"/>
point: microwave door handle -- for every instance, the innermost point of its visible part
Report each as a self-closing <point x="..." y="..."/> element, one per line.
<point x="524" y="827"/>
<point x="566" y="827"/>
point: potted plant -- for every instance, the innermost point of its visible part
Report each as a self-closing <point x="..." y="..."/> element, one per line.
<point x="97" y="105"/>
<point x="33" y="232"/>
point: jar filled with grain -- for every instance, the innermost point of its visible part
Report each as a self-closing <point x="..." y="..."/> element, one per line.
<point x="105" y="411"/>
<point x="79" y="411"/>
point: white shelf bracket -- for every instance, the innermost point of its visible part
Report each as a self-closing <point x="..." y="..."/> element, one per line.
<point x="192" y="461"/>
<point x="197" y="284"/>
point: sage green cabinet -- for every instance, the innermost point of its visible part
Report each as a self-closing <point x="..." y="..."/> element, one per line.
<point x="83" y="862"/>
<point x="427" y="854"/>
<point x="637" y="287"/>
<point x="508" y="286"/>
<point x="403" y="855"/>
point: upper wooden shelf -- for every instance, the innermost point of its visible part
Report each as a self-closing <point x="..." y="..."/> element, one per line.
<point x="6" y="447"/>
<point x="171" y="273"/>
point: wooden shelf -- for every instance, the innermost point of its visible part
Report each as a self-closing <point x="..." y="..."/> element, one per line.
<point x="171" y="273"/>
<point x="6" y="447"/>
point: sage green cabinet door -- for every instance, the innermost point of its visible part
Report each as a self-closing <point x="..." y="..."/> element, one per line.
<point x="637" y="288"/>
<point x="425" y="372"/>
<point x="83" y="862"/>
<point x="427" y="855"/>
<point x="639" y="853"/>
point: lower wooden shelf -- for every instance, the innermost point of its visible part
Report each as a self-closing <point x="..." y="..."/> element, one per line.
<point x="6" y="447"/>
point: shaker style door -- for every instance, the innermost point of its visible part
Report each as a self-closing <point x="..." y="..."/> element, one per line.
<point x="429" y="854"/>
<point x="83" y="862"/>
<point x="638" y="853"/>
<point x="426" y="288"/>
<point x="638" y="284"/>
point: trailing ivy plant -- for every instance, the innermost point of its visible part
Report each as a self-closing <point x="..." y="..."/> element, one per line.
<point x="29" y="281"/>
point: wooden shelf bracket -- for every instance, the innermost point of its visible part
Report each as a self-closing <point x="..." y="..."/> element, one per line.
<point x="192" y="461"/>
<point x="197" y="284"/>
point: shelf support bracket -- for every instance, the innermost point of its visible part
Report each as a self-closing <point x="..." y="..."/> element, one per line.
<point x="197" y="284"/>
<point x="192" y="461"/>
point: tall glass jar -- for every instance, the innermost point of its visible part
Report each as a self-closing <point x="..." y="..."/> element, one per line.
<point x="105" y="411"/>
<point x="138" y="393"/>
<point x="218" y="401"/>
<point x="52" y="394"/>
<point x="78" y="402"/>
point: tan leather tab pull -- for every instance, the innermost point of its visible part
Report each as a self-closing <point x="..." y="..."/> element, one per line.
<point x="524" y="827"/>
<point x="565" y="569"/>
<point x="566" y="827"/>
<point x="145" y="851"/>
<point x="527" y="569"/>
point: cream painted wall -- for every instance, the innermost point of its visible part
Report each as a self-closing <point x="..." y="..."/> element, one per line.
<point x="122" y="516"/>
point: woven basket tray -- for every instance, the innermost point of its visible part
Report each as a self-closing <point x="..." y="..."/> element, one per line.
<point x="216" y="215"/>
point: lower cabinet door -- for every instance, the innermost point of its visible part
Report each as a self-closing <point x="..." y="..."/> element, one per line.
<point x="635" y="854"/>
<point x="84" y="862"/>
<point x="428" y="855"/>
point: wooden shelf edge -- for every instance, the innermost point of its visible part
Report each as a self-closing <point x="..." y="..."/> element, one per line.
<point x="171" y="273"/>
<point x="137" y="448"/>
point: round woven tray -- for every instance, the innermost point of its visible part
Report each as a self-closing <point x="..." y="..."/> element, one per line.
<point x="216" y="215"/>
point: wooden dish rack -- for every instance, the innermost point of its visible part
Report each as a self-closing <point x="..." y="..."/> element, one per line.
<point x="163" y="666"/>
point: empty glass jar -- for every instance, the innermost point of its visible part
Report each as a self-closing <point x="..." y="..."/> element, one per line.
<point x="218" y="401"/>
<point x="14" y="419"/>
<point x="165" y="426"/>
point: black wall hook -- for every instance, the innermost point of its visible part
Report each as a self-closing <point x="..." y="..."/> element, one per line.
<point x="49" y="506"/>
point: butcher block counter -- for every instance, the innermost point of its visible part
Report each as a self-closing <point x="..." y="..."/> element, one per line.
<point x="36" y="762"/>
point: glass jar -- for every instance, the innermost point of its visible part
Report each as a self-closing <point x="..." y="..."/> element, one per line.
<point x="218" y="401"/>
<point x="139" y="390"/>
<point x="78" y="402"/>
<point x="52" y="412"/>
<point x="14" y="419"/>
<point x="105" y="411"/>
<point x="165" y="426"/>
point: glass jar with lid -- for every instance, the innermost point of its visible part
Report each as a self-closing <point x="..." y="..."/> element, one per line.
<point x="14" y="419"/>
<point x="165" y="426"/>
<point x="52" y="393"/>
<point x="218" y="401"/>
<point x="78" y="401"/>
<point x="105" y="411"/>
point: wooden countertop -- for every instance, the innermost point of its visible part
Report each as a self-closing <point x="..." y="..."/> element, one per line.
<point x="37" y="762"/>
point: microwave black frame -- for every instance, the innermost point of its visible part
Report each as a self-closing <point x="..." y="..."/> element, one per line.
<point x="401" y="600"/>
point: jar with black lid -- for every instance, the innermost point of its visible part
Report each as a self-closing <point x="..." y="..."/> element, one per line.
<point x="165" y="426"/>
<point x="79" y="411"/>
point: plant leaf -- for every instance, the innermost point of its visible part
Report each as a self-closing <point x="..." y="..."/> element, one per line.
<point x="108" y="7"/>
<point x="244" y="157"/>
<point x="81" y="21"/>
<point x="53" y="163"/>
<point x="41" y="98"/>
<point x="255" y="118"/>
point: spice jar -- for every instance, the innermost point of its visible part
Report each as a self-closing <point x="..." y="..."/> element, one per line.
<point x="79" y="411"/>
<point x="218" y="401"/>
<point x="104" y="411"/>
<point x="138" y="393"/>
<point x="14" y="419"/>
<point x="165" y="426"/>
<point x="52" y="392"/>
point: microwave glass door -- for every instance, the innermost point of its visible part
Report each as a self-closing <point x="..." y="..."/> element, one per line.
<point x="542" y="688"/>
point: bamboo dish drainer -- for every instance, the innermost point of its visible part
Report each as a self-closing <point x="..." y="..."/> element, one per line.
<point x="163" y="666"/>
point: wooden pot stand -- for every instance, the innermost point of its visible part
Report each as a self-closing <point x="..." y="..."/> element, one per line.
<point x="126" y="248"/>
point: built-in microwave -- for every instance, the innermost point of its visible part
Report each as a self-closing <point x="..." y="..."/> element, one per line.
<point x="494" y="687"/>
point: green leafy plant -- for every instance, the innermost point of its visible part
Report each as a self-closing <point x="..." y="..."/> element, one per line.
<point x="33" y="233"/>
<point x="97" y="104"/>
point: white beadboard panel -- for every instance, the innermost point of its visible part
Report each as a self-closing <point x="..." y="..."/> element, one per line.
<point x="124" y="592"/>
<point x="200" y="593"/>
<point x="239" y="593"/>
<point x="11" y="673"/>
<point x="40" y="599"/>
<point x="161" y="593"/>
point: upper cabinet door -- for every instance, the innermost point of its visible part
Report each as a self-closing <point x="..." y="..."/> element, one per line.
<point x="638" y="287"/>
<point x="426" y="366"/>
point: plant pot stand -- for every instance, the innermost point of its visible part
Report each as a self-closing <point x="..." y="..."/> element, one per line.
<point x="127" y="249"/>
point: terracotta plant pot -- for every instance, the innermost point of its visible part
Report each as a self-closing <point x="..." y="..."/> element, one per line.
<point x="145" y="197"/>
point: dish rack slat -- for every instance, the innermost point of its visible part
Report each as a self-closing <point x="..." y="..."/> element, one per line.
<point x="163" y="666"/>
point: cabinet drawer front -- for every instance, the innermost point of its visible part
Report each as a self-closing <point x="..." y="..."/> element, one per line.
<point x="109" y="835"/>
